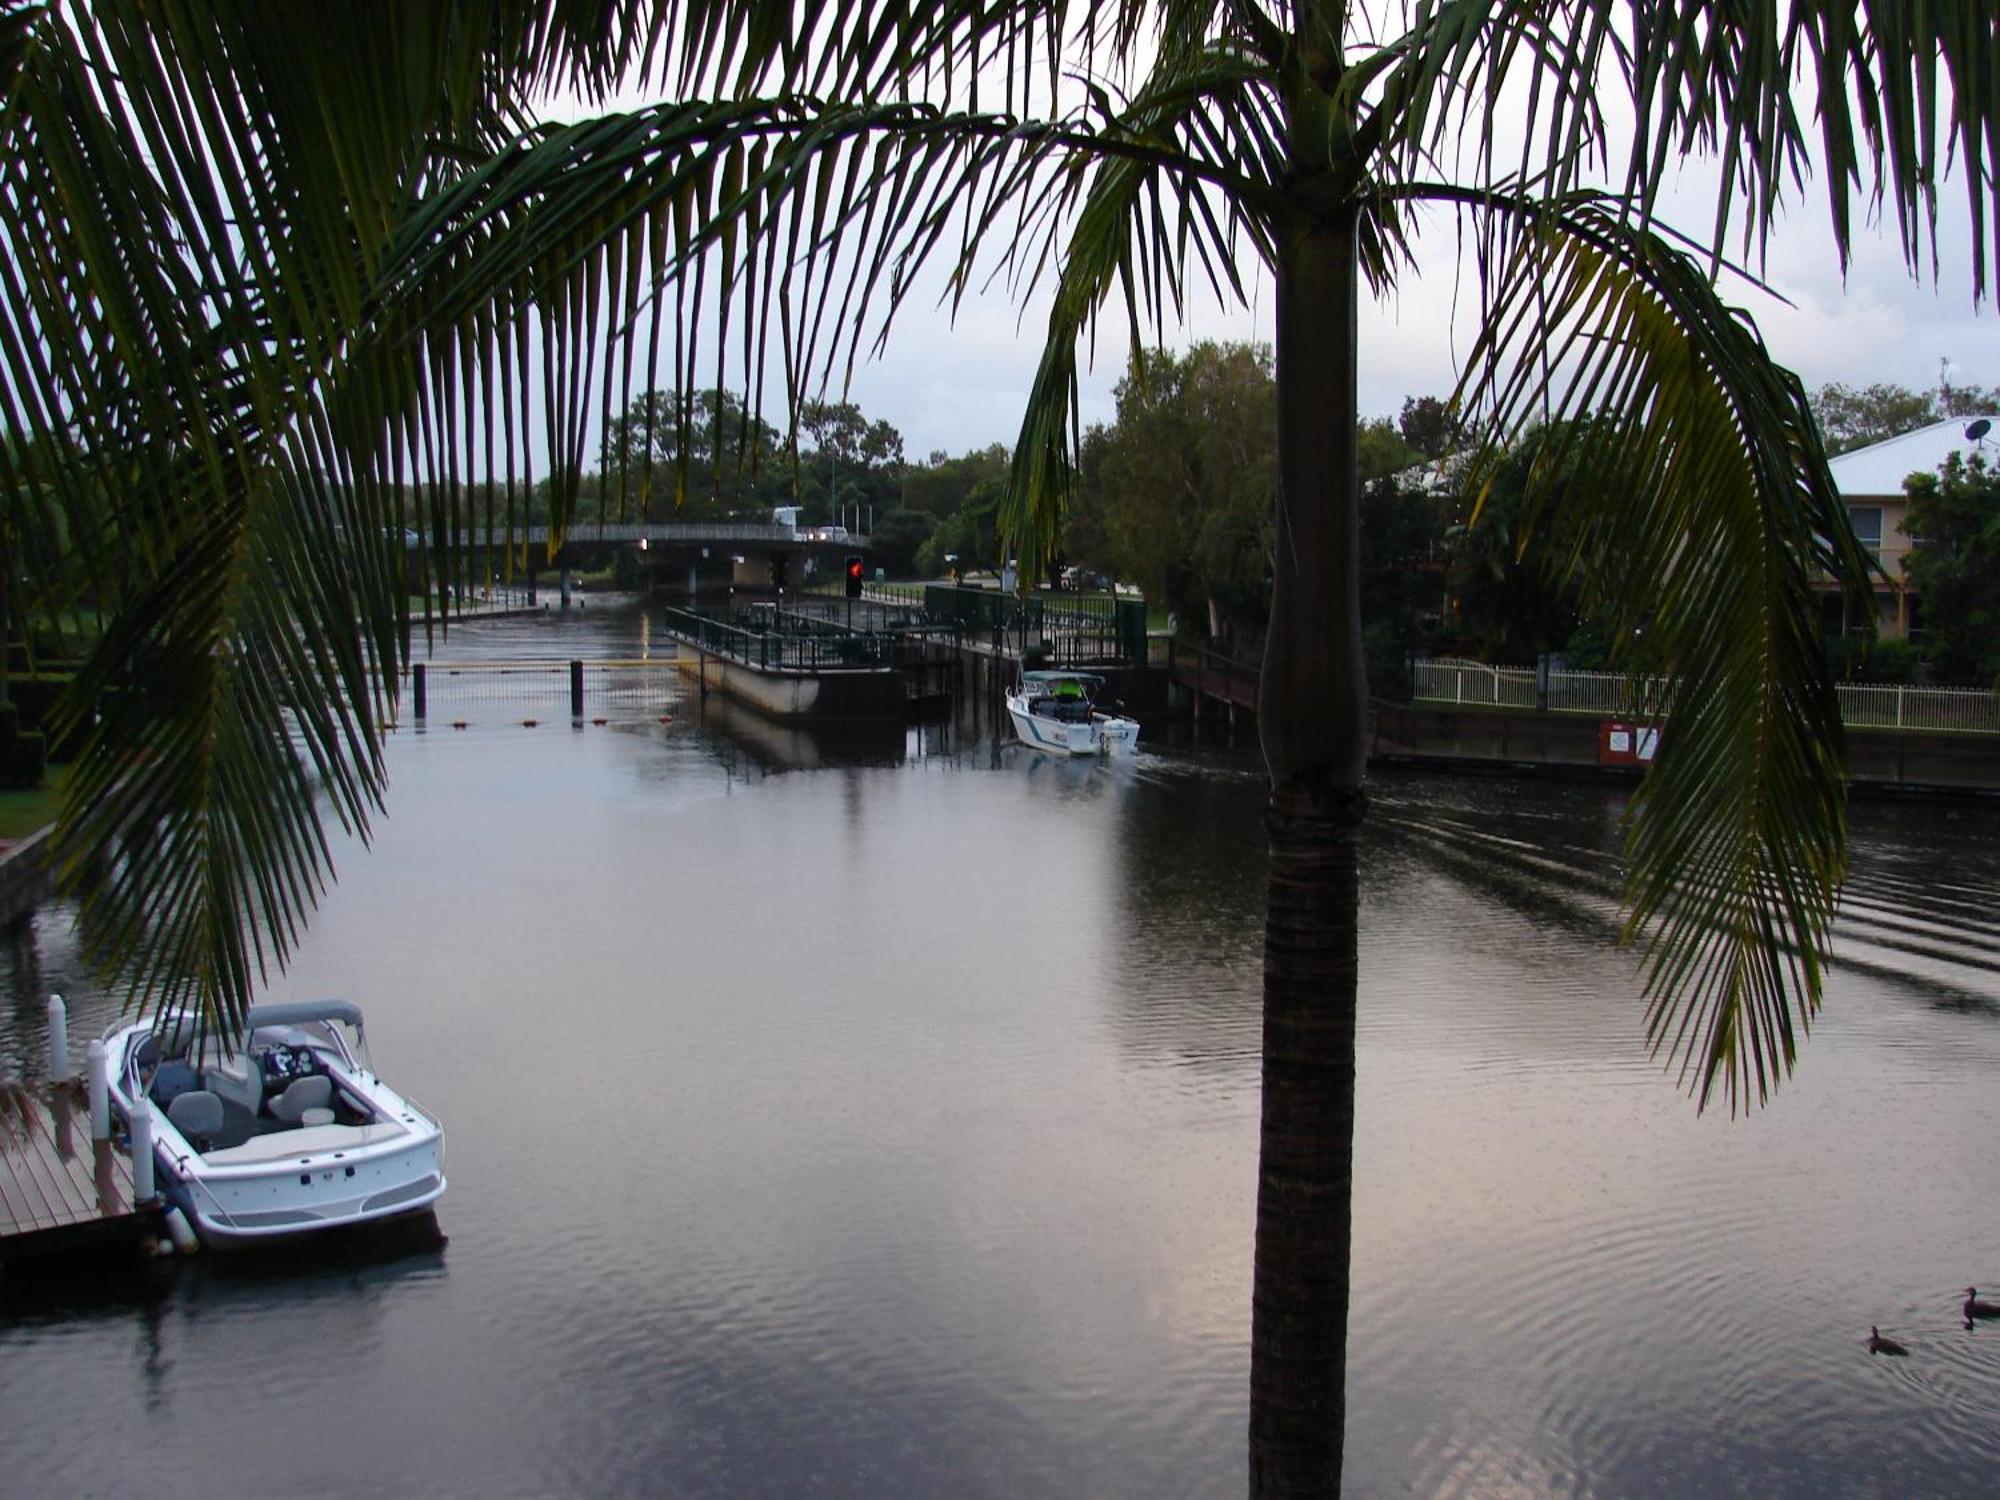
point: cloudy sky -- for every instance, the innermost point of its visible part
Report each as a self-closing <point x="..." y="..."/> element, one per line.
<point x="954" y="386"/>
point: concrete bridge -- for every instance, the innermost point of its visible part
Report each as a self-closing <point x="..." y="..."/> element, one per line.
<point x="674" y="551"/>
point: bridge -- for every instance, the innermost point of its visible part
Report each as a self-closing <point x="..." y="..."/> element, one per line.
<point x="750" y="547"/>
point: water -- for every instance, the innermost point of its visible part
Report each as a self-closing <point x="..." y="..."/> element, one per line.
<point x="889" y="1126"/>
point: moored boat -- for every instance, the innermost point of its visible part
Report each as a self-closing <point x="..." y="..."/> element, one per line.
<point x="285" y="1130"/>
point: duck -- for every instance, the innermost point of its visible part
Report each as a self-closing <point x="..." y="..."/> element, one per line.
<point x="1974" y="1308"/>
<point x="1877" y="1344"/>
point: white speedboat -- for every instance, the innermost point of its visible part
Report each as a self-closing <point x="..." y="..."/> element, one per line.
<point x="287" y="1131"/>
<point x="1059" y="712"/>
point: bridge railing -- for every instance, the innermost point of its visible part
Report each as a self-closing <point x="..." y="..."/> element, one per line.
<point x="665" y="532"/>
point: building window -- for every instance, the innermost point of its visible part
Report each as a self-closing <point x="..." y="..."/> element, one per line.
<point x="1867" y="523"/>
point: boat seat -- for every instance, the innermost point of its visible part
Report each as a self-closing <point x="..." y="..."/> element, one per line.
<point x="197" y="1115"/>
<point x="302" y="1094"/>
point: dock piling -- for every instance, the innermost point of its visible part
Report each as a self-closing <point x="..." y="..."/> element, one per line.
<point x="576" y="690"/>
<point x="58" y="1038"/>
<point x="100" y="1095"/>
<point x="142" y="1156"/>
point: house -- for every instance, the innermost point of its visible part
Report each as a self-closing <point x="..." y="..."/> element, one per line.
<point x="1870" y="481"/>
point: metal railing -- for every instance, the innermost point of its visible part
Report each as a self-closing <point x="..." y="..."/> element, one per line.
<point x="783" y="641"/>
<point x="1610" y="695"/>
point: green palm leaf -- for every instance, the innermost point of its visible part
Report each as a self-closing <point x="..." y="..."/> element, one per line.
<point x="1707" y="518"/>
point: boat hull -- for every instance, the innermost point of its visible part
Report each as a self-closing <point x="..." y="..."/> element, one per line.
<point x="289" y="1181"/>
<point x="321" y="1188"/>
<point x="1101" y="734"/>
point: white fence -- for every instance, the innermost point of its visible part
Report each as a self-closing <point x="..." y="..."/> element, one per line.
<point x="1609" y="695"/>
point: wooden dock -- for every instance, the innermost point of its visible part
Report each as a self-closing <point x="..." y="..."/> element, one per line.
<point x="59" y="1189"/>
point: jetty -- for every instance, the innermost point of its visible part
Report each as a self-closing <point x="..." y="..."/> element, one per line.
<point x="61" y="1188"/>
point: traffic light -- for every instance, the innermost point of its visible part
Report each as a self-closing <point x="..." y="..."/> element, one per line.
<point x="853" y="577"/>
<point x="781" y="570"/>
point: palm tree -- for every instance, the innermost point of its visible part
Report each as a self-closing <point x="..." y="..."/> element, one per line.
<point x="277" y="296"/>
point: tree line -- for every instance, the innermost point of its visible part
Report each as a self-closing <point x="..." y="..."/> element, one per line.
<point x="1176" y="496"/>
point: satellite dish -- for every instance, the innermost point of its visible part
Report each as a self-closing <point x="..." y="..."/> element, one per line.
<point x="1974" y="431"/>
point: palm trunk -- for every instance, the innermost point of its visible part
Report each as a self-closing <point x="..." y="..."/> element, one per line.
<point x="1312" y="712"/>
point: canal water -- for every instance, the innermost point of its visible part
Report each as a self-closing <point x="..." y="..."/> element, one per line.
<point x="877" y="1114"/>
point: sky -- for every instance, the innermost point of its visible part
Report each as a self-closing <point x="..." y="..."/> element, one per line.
<point x="952" y="384"/>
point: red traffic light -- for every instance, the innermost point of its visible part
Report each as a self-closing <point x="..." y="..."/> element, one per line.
<point x="854" y="575"/>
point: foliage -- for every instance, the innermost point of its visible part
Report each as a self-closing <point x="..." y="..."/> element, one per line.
<point x="1086" y="530"/>
<point x="1871" y="658"/>
<point x="942" y="484"/>
<point x="1381" y="451"/>
<point x="968" y="540"/>
<point x="1188" y="475"/>
<point x="1402" y="579"/>
<point x="896" y="537"/>
<point x="1954" y="518"/>
<point x="1851" y="418"/>
<point x="1513" y="596"/>
<point x="1431" y="427"/>
<point x="703" y="454"/>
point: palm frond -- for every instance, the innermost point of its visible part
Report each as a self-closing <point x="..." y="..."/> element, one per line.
<point x="1698" y="515"/>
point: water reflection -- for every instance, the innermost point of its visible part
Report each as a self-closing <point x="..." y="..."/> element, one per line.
<point x="847" y="1120"/>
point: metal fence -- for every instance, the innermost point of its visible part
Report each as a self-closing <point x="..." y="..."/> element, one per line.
<point x="783" y="640"/>
<point x="1899" y="706"/>
<point x="1073" y="629"/>
<point x="1610" y="695"/>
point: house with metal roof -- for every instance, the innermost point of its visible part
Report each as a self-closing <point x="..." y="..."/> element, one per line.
<point x="1870" y="481"/>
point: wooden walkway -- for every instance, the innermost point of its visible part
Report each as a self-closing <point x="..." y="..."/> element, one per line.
<point x="59" y="1189"/>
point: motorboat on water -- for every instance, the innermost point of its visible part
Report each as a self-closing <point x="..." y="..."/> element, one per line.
<point x="1059" y="712"/>
<point x="283" y="1130"/>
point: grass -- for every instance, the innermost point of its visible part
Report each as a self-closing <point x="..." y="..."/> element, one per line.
<point x="26" y="812"/>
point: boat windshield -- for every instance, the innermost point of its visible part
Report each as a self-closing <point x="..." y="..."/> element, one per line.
<point x="340" y="1040"/>
<point x="1073" y="687"/>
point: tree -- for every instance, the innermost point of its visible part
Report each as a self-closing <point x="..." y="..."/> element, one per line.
<point x="705" y="453"/>
<point x="1430" y="426"/>
<point x="389" y="270"/>
<point x="1851" y="418"/>
<point x="1954" y="516"/>
<point x="1188" y="477"/>
<point x="940" y="485"/>
<point x="846" y="460"/>
<point x="896" y="537"/>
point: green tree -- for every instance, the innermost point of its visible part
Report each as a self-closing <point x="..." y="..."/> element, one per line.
<point x="1430" y="426"/>
<point x="1086" y="530"/>
<point x="706" y="454"/>
<point x="1954" y="517"/>
<point x="897" y="536"/>
<point x="847" y="461"/>
<point x="1851" y="418"/>
<point x="391" y="270"/>
<point x="1188" y="478"/>
<point x="940" y="485"/>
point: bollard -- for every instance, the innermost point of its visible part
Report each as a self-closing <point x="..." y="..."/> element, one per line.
<point x="417" y="694"/>
<point x="142" y="1155"/>
<point x="58" y="1038"/>
<point x="100" y="1097"/>
<point x="576" y="690"/>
